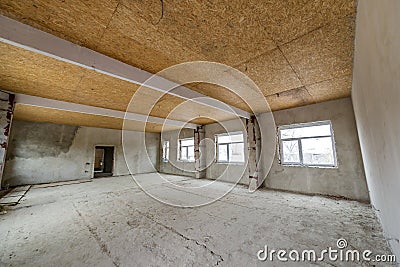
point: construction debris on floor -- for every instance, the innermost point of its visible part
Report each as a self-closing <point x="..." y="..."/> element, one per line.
<point x="14" y="196"/>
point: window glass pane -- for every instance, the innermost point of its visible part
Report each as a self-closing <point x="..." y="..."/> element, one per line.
<point x="184" y="153"/>
<point x="228" y="138"/>
<point x="290" y="152"/>
<point x="222" y="152"/>
<point x="237" y="137"/>
<point x="223" y="139"/>
<point x="236" y="152"/>
<point x="307" y="131"/>
<point x="191" y="153"/>
<point x="187" y="142"/>
<point x="318" y="151"/>
<point x="167" y="152"/>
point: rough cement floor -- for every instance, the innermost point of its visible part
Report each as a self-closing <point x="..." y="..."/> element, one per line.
<point x="111" y="222"/>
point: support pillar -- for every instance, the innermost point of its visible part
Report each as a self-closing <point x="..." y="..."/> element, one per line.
<point x="199" y="152"/>
<point x="253" y="152"/>
<point x="6" y="114"/>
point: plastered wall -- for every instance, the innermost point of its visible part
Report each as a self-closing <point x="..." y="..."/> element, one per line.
<point x="214" y="170"/>
<point x="226" y="172"/>
<point x="376" y="97"/>
<point x="45" y="152"/>
<point x="174" y="166"/>
<point x="348" y="179"/>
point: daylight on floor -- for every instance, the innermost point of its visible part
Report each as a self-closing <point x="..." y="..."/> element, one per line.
<point x="199" y="133"/>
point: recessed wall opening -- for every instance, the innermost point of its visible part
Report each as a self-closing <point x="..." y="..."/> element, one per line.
<point x="103" y="161"/>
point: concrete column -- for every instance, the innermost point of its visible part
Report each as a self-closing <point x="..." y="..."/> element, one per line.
<point x="253" y="149"/>
<point x="199" y="152"/>
<point x="6" y="115"/>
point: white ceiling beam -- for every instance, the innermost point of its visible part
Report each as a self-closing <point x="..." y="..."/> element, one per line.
<point x="73" y="107"/>
<point x="24" y="36"/>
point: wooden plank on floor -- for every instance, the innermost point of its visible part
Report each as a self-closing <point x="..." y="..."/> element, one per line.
<point x="61" y="183"/>
<point x="15" y="195"/>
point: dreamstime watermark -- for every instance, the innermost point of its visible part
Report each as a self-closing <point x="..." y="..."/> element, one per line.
<point x="339" y="253"/>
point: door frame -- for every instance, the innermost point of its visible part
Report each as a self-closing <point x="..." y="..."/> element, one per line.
<point x="94" y="158"/>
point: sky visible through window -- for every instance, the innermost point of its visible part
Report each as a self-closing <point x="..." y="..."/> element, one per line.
<point x="230" y="147"/>
<point x="307" y="145"/>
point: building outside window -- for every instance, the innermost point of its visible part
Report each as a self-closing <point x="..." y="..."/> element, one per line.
<point x="230" y="147"/>
<point x="307" y="144"/>
<point x="186" y="149"/>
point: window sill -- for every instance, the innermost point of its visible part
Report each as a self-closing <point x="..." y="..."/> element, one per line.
<point x="310" y="166"/>
<point x="230" y="163"/>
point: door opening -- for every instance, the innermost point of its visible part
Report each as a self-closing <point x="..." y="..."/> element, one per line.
<point x="103" y="161"/>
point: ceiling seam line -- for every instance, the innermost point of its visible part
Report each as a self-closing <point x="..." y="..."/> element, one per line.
<point x="255" y="57"/>
<point x="315" y="29"/>
<point x="197" y="53"/>
<point x="312" y="97"/>
<point x="302" y="35"/>
<point x="108" y="24"/>
<point x="286" y="91"/>
<point x="329" y="79"/>
<point x="294" y="71"/>
<point x="76" y="87"/>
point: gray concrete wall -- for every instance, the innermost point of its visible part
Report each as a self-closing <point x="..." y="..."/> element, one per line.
<point x="376" y="95"/>
<point x="174" y="166"/>
<point x="45" y="152"/>
<point x="225" y="172"/>
<point x="348" y="179"/>
<point x="214" y="170"/>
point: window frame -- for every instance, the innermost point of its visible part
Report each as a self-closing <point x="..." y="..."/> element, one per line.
<point x="187" y="150"/>
<point x="228" y="144"/>
<point x="165" y="145"/>
<point x="298" y="139"/>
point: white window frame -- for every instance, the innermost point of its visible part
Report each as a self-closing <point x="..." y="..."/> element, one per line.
<point x="165" y="151"/>
<point x="298" y="139"/>
<point x="228" y="144"/>
<point x="187" y="149"/>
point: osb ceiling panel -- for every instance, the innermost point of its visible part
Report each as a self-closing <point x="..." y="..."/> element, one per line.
<point x="34" y="74"/>
<point x="38" y="114"/>
<point x="290" y="99"/>
<point x="81" y="22"/>
<point x="218" y="92"/>
<point x="176" y="108"/>
<point x="117" y="45"/>
<point x="200" y="114"/>
<point x="323" y="54"/>
<point x="281" y="45"/>
<point x="127" y="22"/>
<point x="223" y="31"/>
<point x="331" y="89"/>
<point x="271" y="72"/>
<point x="291" y="19"/>
<point x="30" y="73"/>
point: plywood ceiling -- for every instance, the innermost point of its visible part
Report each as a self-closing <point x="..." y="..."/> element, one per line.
<point x="39" y="114"/>
<point x="298" y="52"/>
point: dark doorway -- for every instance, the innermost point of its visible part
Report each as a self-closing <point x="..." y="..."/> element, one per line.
<point x="103" y="161"/>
